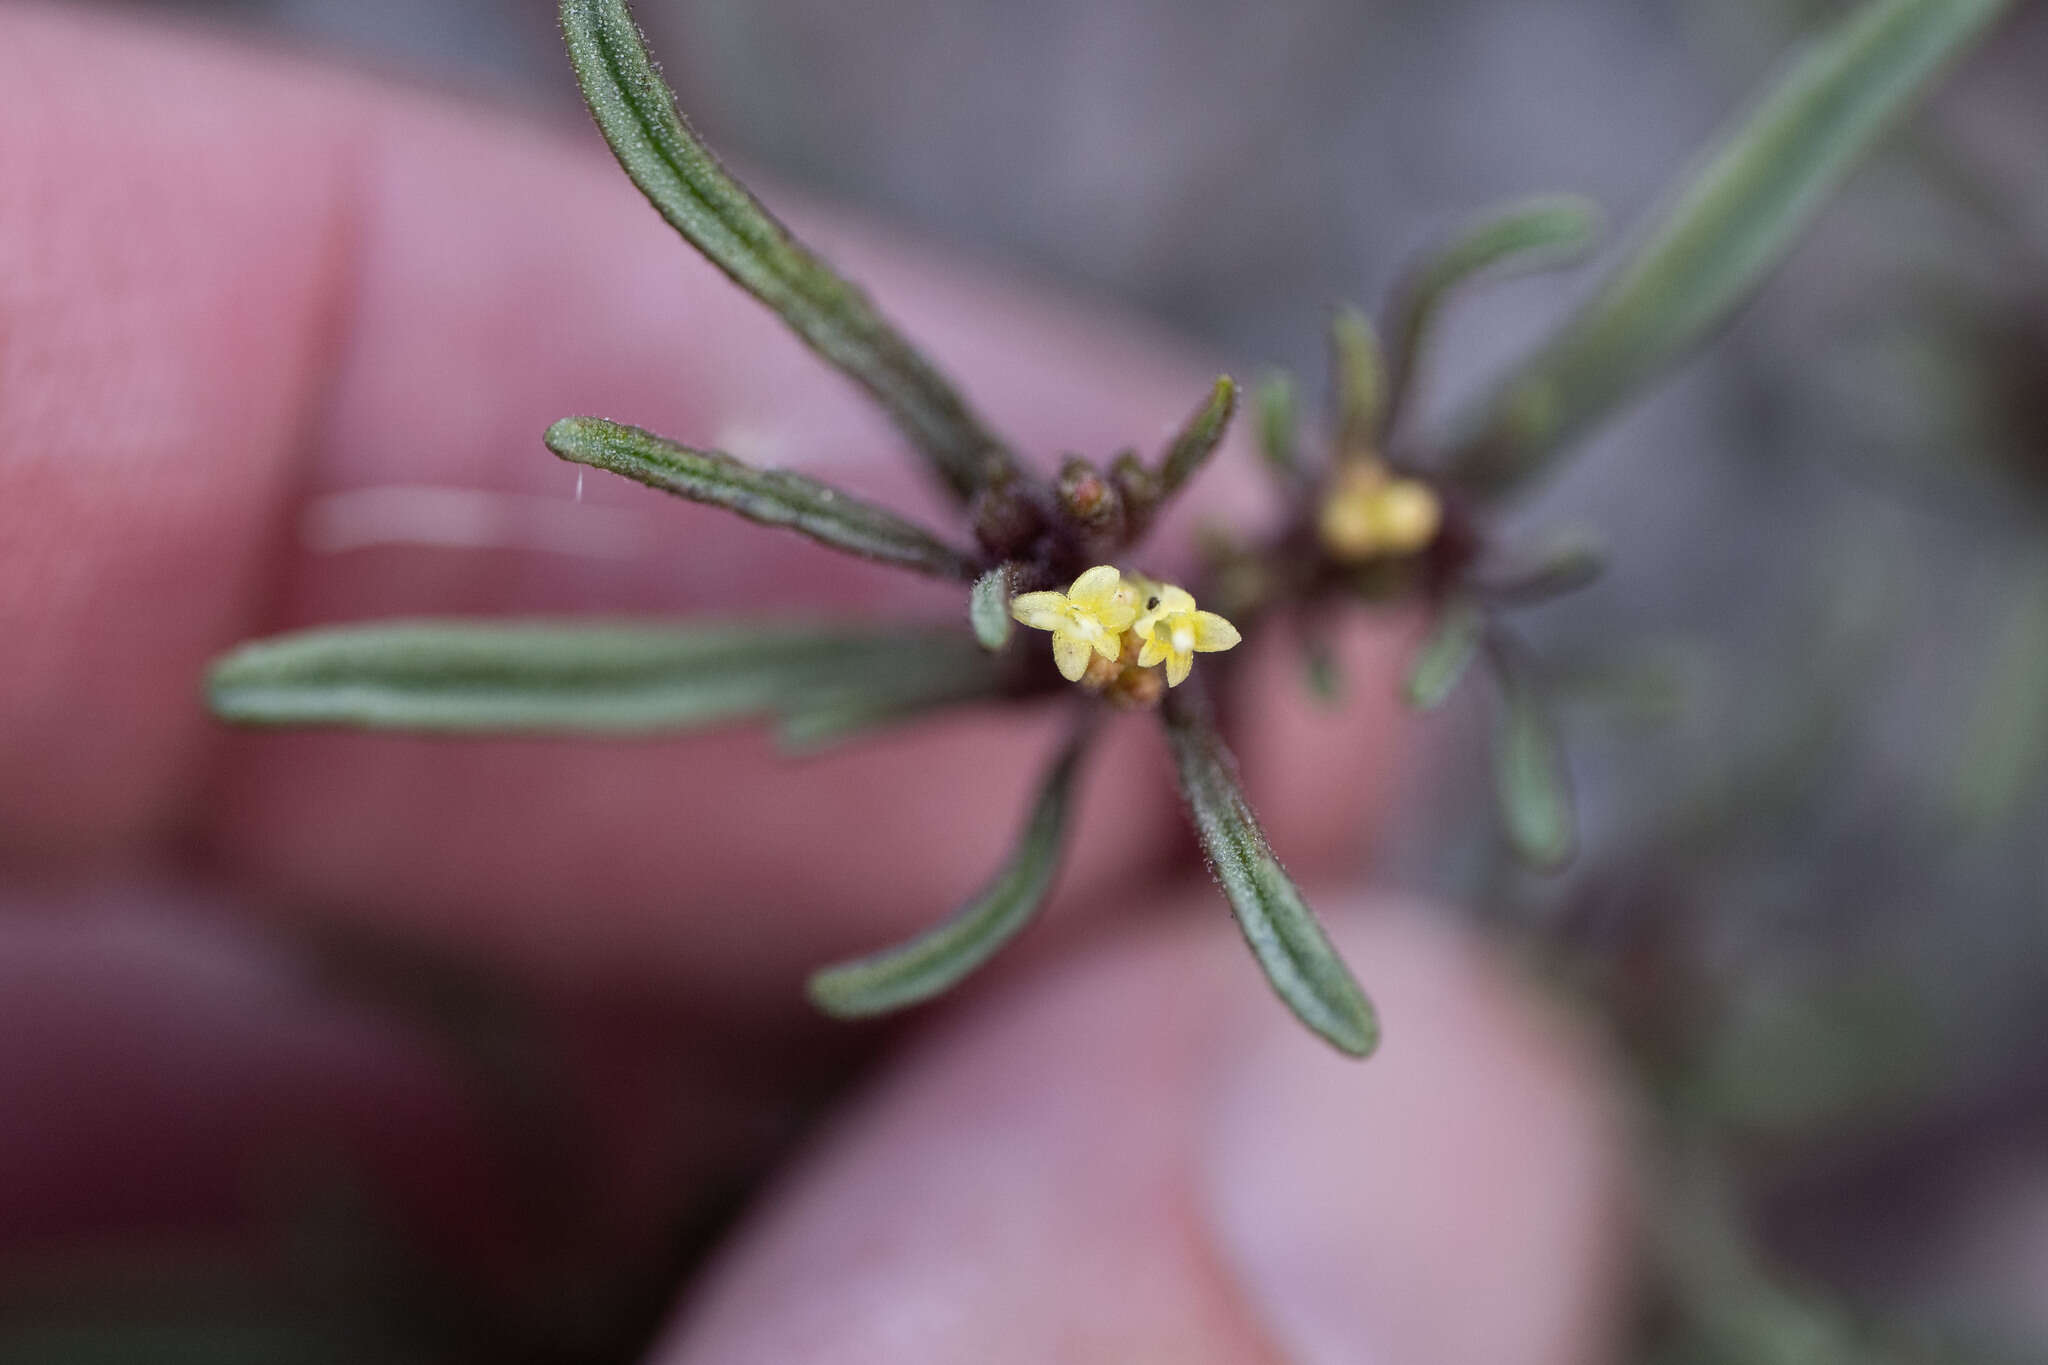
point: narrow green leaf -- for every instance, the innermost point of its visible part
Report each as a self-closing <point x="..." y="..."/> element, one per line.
<point x="1279" y="427"/>
<point x="883" y="702"/>
<point x="1358" y="368"/>
<point x="637" y="113"/>
<point x="1564" y="566"/>
<point x="773" y="497"/>
<point x="938" y="959"/>
<point x="1198" y="440"/>
<point x="1290" y="945"/>
<point x="576" y="677"/>
<point x="1544" y="231"/>
<point x="988" y="606"/>
<point x="1445" y="655"/>
<point x="1530" y="777"/>
<point x="2004" y="755"/>
<point x="1723" y="232"/>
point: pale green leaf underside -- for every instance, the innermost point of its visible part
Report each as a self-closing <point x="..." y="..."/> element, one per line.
<point x="637" y="113"/>
<point x="938" y="959"/>
<point x="1728" y="226"/>
<point x="583" y="677"/>
<point x="988" y="607"/>
<point x="1297" y="956"/>
<point x="773" y="497"/>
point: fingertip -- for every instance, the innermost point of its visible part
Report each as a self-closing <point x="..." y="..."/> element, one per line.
<point x="1139" y="1156"/>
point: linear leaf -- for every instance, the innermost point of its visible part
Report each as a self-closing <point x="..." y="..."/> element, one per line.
<point x="1445" y="655"/>
<point x="938" y="959"/>
<point x="1531" y="780"/>
<point x="1543" y="231"/>
<point x="1564" y="566"/>
<point x="988" y="606"/>
<point x="773" y="497"/>
<point x="883" y="702"/>
<point x="1279" y="427"/>
<point x="1290" y="945"/>
<point x="1358" y="369"/>
<point x="1723" y="232"/>
<point x="636" y="111"/>
<point x="575" y="677"/>
<point x="1197" y="440"/>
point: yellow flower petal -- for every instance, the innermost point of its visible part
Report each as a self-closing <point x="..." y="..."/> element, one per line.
<point x="1096" y="588"/>
<point x="1040" y="610"/>
<point x="1120" y="611"/>
<point x="1213" y="633"/>
<point x="1152" y="655"/>
<point x="1177" y="667"/>
<point x="1070" y="653"/>
<point x="1110" y="645"/>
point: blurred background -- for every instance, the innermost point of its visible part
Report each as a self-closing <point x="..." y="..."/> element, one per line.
<point x="1807" y="707"/>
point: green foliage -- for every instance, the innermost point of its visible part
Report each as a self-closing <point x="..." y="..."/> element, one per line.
<point x="1197" y="440"/>
<point x="1531" y="780"/>
<point x="586" y="678"/>
<point x="1563" y="566"/>
<point x="1358" y="364"/>
<point x="1544" y="231"/>
<point x="773" y="497"/>
<point x="938" y="959"/>
<point x="1279" y="427"/>
<point x="1722" y="233"/>
<point x="1453" y="642"/>
<point x="1290" y="945"/>
<point x="637" y="113"/>
<point x="988" y="606"/>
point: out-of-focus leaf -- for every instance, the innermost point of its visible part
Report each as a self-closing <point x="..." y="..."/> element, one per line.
<point x="1324" y="674"/>
<point x="1198" y="440"/>
<point x="1564" y="566"/>
<point x="773" y="497"/>
<point x="1453" y="641"/>
<point x="580" y="677"/>
<point x="988" y="606"/>
<point x="938" y="959"/>
<point x="1290" y="945"/>
<point x="1531" y="780"/>
<point x="883" y="703"/>
<point x="1728" y="226"/>
<point x="2006" y="752"/>
<point x="1545" y="231"/>
<point x="1280" y="427"/>
<point x="1358" y="368"/>
<point x="637" y="113"/>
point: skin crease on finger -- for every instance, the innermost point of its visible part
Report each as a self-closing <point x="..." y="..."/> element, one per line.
<point x="232" y="282"/>
<point x="1136" y="1158"/>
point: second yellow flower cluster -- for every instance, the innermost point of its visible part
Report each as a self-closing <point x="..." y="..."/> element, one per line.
<point x="1106" y="614"/>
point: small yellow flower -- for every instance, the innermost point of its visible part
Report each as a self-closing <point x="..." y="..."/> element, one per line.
<point x="1088" y="618"/>
<point x="1173" y="630"/>
<point x="1370" y="513"/>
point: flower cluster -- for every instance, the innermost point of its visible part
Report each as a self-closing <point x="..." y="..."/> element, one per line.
<point x="1127" y="620"/>
<point x="1369" y="514"/>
